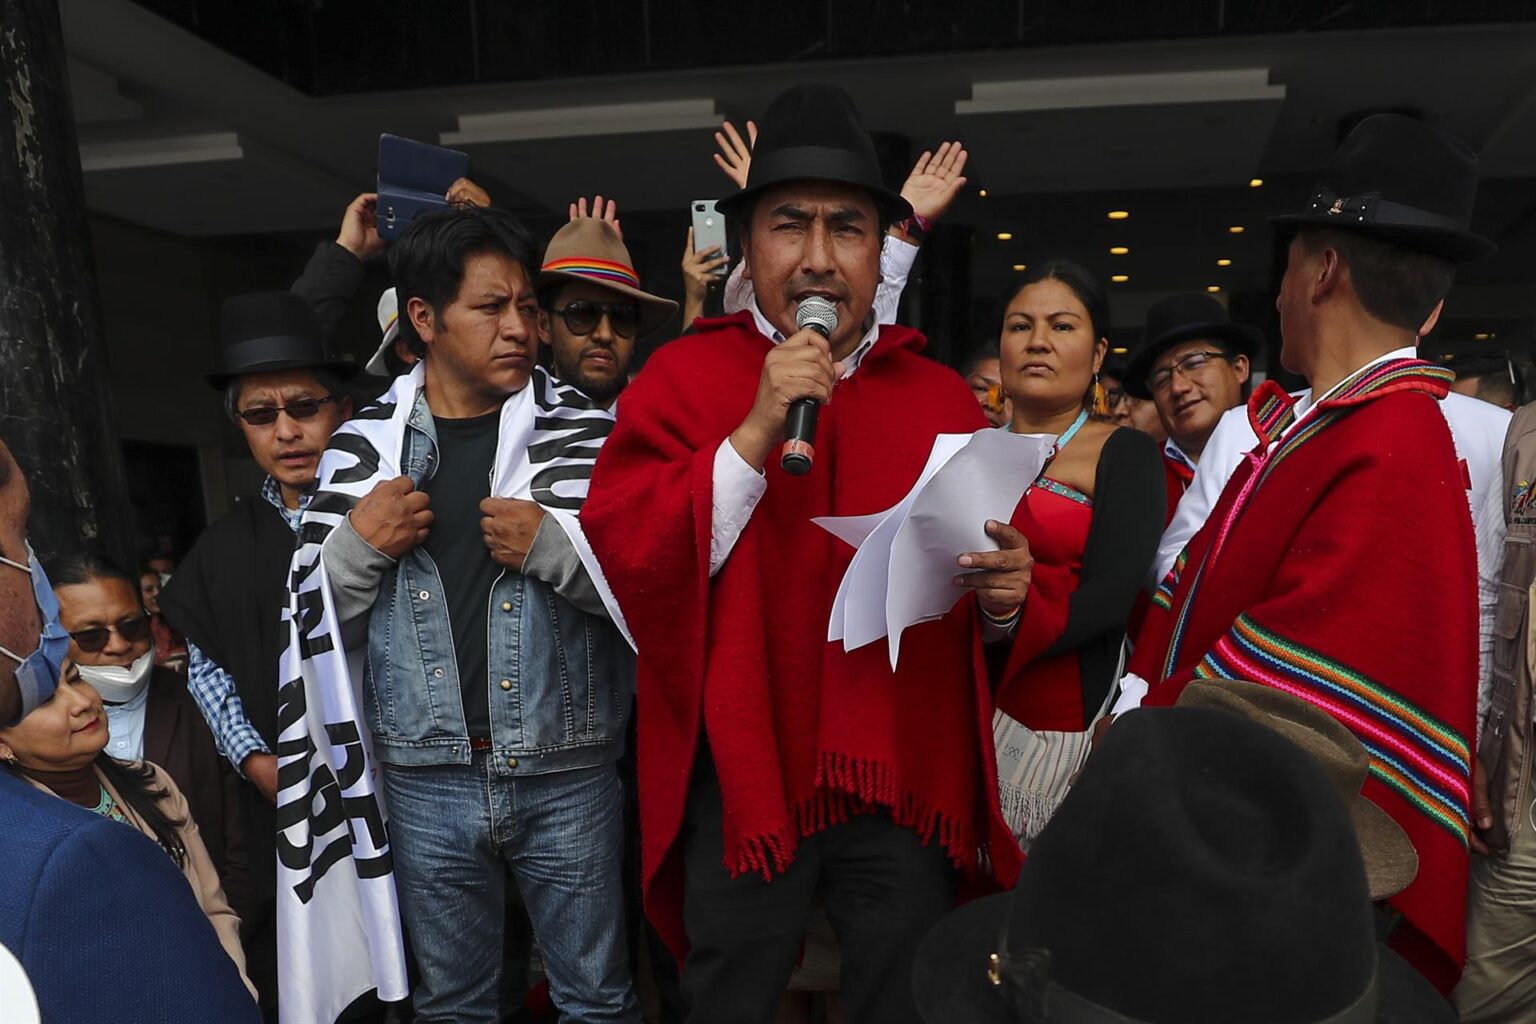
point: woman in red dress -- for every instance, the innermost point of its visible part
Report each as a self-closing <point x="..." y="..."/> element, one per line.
<point x="1092" y="518"/>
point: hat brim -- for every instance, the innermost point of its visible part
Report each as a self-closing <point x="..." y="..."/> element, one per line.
<point x="655" y="311"/>
<point x="1391" y="863"/>
<point x="343" y="369"/>
<point x="949" y="976"/>
<point x="376" y="365"/>
<point x="811" y="163"/>
<point x="1447" y="243"/>
<point x="1244" y="339"/>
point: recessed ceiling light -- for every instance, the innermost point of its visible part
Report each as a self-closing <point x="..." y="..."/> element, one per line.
<point x="1119" y="351"/>
<point x="1486" y="336"/>
<point x="1119" y="250"/>
<point x="1120" y="278"/>
<point x="1119" y="214"/>
<point x="1019" y="266"/>
<point x="982" y="193"/>
<point x="1213" y="288"/>
<point x="1005" y="236"/>
<point x="1236" y="229"/>
<point x="1223" y="263"/>
<point x="1255" y="182"/>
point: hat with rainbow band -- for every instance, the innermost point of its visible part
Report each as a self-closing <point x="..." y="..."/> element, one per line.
<point x="588" y="249"/>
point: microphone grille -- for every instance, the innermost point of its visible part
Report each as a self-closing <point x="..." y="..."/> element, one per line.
<point x="815" y="311"/>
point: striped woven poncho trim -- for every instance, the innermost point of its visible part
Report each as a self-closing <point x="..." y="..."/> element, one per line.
<point x="1411" y="751"/>
<point x="1163" y="598"/>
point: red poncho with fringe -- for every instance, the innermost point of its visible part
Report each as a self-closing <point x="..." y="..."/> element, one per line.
<point x="1339" y="565"/>
<point x="802" y="734"/>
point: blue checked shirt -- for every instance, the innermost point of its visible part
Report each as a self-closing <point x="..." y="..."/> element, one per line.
<point x="214" y="689"/>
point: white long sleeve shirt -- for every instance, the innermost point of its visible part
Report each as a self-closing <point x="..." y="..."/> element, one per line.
<point x="1477" y="429"/>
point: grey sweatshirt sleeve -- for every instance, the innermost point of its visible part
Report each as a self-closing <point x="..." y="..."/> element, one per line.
<point x="356" y="570"/>
<point x="553" y="559"/>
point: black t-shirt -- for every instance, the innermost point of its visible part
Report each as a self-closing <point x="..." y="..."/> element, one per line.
<point x="466" y="452"/>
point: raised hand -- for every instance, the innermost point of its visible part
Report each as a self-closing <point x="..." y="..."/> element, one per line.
<point x="359" y="234"/>
<point x="935" y="180"/>
<point x="608" y="214"/>
<point x="466" y="193"/>
<point x="735" y="156"/>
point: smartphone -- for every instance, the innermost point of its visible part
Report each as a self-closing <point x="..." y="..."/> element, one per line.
<point x="413" y="177"/>
<point x="709" y="230"/>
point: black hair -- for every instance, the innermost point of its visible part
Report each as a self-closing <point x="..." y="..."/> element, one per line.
<point x="85" y="568"/>
<point x="1088" y="289"/>
<point x="987" y="348"/>
<point x="427" y="262"/>
<point x="1397" y="286"/>
<point x="328" y="381"/>
<point x="135" y="783"/>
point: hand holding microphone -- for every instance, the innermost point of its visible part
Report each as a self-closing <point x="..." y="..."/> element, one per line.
<point x="800" y="369"/>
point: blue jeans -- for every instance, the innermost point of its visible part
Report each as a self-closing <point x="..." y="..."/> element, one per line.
<point x="456" y="832"/>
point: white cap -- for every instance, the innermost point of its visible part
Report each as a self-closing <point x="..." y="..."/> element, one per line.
<point x="389" y="323"/>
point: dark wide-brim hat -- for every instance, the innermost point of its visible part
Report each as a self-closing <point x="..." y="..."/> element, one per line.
<point x="1182" y="318"/>
<point x="588" y="250"/>
<point x="1402" y="181"/>
<point x="814" y="133"/>
<point x="1202" y="870"/>
<point x="267" y="332"/>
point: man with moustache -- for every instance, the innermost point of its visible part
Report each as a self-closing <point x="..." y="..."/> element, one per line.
<point x="283" y="391"/>
<point x="497" y="690"/>
<point x="1192" y="364"/>
<point x="773" y="765"/>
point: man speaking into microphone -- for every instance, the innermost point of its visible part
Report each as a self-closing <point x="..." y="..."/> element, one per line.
<point x="774" y="765"/>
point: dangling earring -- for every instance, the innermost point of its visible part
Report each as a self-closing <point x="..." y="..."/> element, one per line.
<point x="1100" y="406"/>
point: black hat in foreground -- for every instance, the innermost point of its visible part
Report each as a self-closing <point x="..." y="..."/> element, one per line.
<point x="1182" y="318"/>
<point x="1203" y="870"/>
<point x="814" y="133"/>
<point x="266" y="332"/>
<point x="1402" y="181"/>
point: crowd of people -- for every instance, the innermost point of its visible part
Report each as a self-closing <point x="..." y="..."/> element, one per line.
<point x="1258" y="656"/>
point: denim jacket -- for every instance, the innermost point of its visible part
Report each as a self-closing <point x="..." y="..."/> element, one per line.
<point x="561" y="678"/>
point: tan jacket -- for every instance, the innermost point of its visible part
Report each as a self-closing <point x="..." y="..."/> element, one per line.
<point x="1505" y="744"/>
<point x="199" y="868"/>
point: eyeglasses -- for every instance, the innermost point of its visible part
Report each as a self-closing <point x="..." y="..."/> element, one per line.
<point x="1159" y="380"/>
<point x="266" y="415"/>
<point x="1114" y="396"/>
<point x="132" y="629"/>
<point x="582" y="317"/>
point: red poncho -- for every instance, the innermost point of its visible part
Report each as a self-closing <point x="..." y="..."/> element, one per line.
<point x="1339" y="565"/>
<point x="802" y="734"/>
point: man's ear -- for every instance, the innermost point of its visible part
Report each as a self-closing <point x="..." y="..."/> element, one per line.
<point x="543" y="326"/>
<point x="1241" y="367"/>
<point x="1434" y="318"/>
<point x="1328" y="275"/>
<point x="344" y="403"/>
<point x="419" y="313"/>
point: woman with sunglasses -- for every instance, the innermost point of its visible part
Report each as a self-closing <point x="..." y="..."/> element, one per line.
<point x="1092" y="517"/>
<point x="60" y="748"/>
<point x="150" y="717"/>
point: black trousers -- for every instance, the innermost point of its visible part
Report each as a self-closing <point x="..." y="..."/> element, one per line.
<point x="882" y="889"/>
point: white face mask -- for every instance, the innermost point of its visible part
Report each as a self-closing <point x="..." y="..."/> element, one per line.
<point x="118" y="685"/>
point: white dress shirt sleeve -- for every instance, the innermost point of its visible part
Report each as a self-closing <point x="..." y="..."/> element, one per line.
<point x="1230" y="441"/>
<point x="737" y="488"/>
<point x="1490" y="529"/>
<point x="1133" y="690"/>
<point x="896" y="259"/>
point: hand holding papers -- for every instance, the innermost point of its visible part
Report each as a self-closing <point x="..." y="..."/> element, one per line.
<point x="903" y="572"/>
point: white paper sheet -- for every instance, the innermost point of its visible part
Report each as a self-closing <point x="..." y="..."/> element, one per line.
<point x="904" y="568"/>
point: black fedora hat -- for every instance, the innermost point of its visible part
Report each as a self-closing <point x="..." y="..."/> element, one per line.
<point x="814" y="133"/>
<point x="1402" y="181"/>
<point x="1203" y="869"/>
<point x="1181" y="318"/>
<point x="265" y="332"/>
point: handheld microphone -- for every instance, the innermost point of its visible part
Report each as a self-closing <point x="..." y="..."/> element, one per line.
<point x="819" y="315"/>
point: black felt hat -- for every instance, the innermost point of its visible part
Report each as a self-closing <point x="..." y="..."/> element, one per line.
<point x="265" y="332"/>
<point x="1183" y="318"/>
<point x="1402" y="181"/>
<point x="1202" y="870"/>
<point x="814" y="133"/>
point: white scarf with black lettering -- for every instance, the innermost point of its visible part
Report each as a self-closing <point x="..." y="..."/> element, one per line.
<point x="338" y="917"/>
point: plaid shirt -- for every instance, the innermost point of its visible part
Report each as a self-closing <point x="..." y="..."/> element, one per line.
<point x="214" y="689"/>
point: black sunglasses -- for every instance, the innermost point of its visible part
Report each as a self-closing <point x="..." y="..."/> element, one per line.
<point x="266" y="415"/>
<point x="133" y="629"/>
<point x="582" y="317"/>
